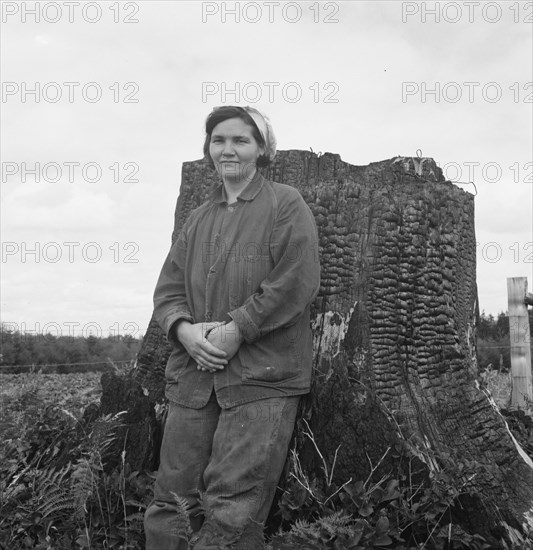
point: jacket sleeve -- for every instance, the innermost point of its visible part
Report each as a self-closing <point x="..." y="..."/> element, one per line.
<point x="170" y="298"/>
<point x="294" y="280"/>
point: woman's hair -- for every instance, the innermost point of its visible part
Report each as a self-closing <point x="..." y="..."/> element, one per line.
<point x="220" y="114"/>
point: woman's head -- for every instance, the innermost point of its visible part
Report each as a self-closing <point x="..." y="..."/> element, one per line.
<point x="259" y="124"/>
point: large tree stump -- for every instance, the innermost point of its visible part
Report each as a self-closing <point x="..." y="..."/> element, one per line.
<point x="394" y="328"/>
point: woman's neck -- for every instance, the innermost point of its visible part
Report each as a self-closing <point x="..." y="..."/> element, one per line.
<point x="234" y="188"/>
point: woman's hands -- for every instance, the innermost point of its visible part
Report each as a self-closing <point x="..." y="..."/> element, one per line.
<point x="226" y="337"/>
<point x="193" y="338"/>
<point x="211" y="345"/>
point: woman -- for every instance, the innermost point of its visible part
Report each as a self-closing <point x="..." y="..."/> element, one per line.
<point x="233" y="297"/>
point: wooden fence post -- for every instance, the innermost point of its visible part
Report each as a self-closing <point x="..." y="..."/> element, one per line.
<point x="522" y="383"/>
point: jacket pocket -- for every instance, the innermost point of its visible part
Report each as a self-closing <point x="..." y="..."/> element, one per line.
<point x="272" y="359"/>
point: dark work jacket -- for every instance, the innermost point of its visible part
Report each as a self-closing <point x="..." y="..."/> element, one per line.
<point x="256" y="262"/>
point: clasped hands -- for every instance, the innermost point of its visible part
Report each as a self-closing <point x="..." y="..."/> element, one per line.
<point x="211" y="345"/>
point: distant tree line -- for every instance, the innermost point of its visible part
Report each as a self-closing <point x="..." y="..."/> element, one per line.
<point x="493" y="346"/>
<point x="87" y="353"/>
<point x="493" y="341"/>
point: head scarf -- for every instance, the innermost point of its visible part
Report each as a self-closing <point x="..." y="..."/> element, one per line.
<point x="265" y="129"/>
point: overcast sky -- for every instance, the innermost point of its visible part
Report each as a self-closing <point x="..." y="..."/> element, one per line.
<point x="121" y="91"/>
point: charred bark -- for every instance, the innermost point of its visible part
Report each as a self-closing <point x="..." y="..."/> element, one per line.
<point x="138" y="432"/>
<point x="394" y="328"/>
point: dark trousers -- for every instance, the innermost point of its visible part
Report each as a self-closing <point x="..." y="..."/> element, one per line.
<point x="233" y="458"/>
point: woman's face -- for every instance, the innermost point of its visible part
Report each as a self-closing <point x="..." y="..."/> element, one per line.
<point x="234" y="150"/>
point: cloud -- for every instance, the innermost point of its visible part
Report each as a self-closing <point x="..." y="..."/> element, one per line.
<point x="67" y="207"/>
<point x="39" y="39"/>
<point x="169" y="54"/>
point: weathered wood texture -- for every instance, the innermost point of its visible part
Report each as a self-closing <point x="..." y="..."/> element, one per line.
<point x="519" y="336"/>
<point x="139" y="433"/>
<point x="394" y="327"/>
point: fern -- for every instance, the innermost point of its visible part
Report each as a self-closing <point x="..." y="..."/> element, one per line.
<point x="104" y="433"/>
<point x="35" y="494"/>
<point x="303" y="535"/>
<point x="337" y="519"/>
<point x="328" y="532"/>
<point x="301" y="526"/>
<point x="336" y="524"/>
<point x="51" y="494"/>
<point x="292" y="541"/>
<point x="56" y="503"/>
<point x="82" y="485"/>
<point x="136" y="517"/>
<point x="59" y="481"/>
<point x="50" y="477"/>
<point x="182" y="510"/>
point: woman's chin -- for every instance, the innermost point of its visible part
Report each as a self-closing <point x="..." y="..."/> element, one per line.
<point x="232" y="175"/>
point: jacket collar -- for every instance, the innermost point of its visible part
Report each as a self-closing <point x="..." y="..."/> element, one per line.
<point x="247" y="194"/>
